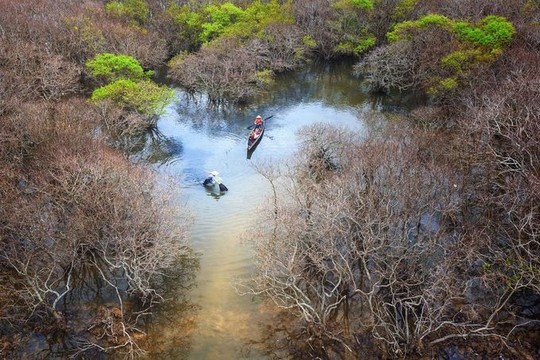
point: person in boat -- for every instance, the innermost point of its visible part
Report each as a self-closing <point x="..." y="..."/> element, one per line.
<point x="258" y="121"/>
<point x="257" y="128"/>
<point x="255" y="133"/>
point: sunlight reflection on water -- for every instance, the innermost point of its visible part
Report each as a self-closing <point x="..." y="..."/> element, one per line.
<point x="199" y="140"/>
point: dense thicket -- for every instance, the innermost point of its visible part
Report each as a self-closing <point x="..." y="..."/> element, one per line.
<point x="410" y="242"/>
<point x="421" y="242"/>
<point x="80" y="225"/>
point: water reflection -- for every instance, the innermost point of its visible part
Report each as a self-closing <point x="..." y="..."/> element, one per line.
<point x="177" y="312"/>
<point x="214" y="192"/>
<point x="196" y="139"/>
<point x="251" y="151"/>
<point x="159" y="147"/>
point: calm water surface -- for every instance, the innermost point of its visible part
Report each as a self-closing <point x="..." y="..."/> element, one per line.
<point x="194" y="140"/>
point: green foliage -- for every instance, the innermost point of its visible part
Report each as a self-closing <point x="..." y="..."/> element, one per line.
<point x="309" y="41"/>
<point x="457" y="61"/>
<point x="183" y="15"/>
<point x="443" y="86"/>
<point x="365" y="44"/>
<point x="129" y="86"/>
<point x="404" y="8"/>
<point x="258" y="15"/>
<point x="351" y="25"/>
<point x="264" y="77"/>
<point x="434" y="20"/>
<point x="363" y="4"/>
<point x="218" y="19"/>
<point x="215" y="20"/>
<point x="357" y="48"/>
<point x="115" y="8"/>
<point x="478" y="44"/>
<point x="189" y="23"/>
<point x="355" y="4"/>
<point x="493" y="32"/>
<point x="448" y="84"/>
<point x="111" y="67"/>
<point x="401" y="29"/>
<point x="145" y="97"/>
<point x="133" y="9"/>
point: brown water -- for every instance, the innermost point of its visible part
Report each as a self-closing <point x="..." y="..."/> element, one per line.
<point x="195" y="139"/>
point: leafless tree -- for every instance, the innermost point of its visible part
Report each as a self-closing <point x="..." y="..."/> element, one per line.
<point x="365" y="242"/>
<point x="233" y="70"/>
<point x="225" y="70"/>
<point x="501" y="124"/>
<point x="313" y="17"/>
<point x="286" y="49"/>
<point x="75" y="214"/>
<point x="408" y="63"/>
<point x="393" y="66"/>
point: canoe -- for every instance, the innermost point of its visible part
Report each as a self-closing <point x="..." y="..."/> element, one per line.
<point x="255" y="136"/>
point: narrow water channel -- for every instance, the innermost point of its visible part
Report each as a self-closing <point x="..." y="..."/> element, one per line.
<point x="195" y="139"/>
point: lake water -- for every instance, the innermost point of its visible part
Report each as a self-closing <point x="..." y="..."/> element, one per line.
<point x="195" y="139"/>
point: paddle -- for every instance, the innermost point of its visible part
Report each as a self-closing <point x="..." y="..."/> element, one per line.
<point x="250" y="127"/>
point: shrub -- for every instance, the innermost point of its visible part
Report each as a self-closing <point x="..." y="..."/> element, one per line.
<point x="145" y="96"/>
<point x="403" y="9"/>
<point x="136" y="10"/>
<point x="356" y="4"/>
<point x="219" y="18"/>
<point x="471" y="46"/>
<point x="363" y="4"/>
<point x="110" y="67"/>
<point x="493" y="32"/>
<point x="357" y="48"/>
<point x="443" y="86"/>
<point x="401" y="30"/>
<point x="189" y="25"/>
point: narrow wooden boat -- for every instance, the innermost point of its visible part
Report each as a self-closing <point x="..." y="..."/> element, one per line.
<point x="255" y="136"/>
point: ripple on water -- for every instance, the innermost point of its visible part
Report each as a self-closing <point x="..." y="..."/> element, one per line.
<point x="203" y="139"/>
